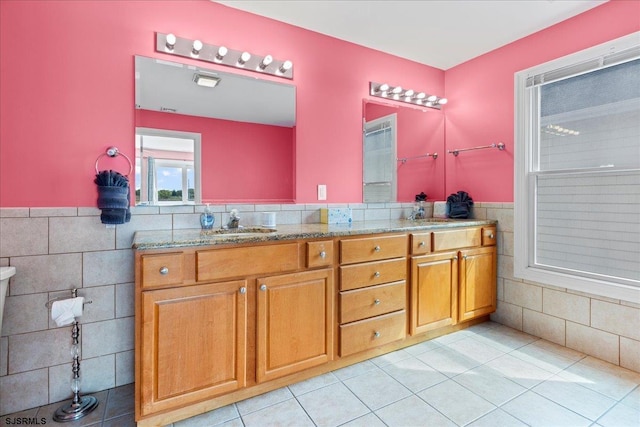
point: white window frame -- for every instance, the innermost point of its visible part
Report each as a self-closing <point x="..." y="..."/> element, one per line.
<point x="524" y="191"/>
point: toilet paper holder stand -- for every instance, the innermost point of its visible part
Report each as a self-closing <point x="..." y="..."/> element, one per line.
<point x="79" y="406"/>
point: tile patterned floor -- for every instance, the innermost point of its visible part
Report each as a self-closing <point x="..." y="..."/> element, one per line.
<point x="487" y="375"/>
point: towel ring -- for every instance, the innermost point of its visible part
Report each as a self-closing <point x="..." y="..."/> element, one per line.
<point x="113" y="152"/>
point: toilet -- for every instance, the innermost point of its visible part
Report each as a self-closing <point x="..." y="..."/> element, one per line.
<point x="5" y="274"/>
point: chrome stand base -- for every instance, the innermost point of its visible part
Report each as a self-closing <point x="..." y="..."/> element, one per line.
<point x="74" y="411"/>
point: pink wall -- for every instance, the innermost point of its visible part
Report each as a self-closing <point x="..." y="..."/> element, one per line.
<point x="481" y="96"/>
<point x="264" y="153"/>
<point x="68" y="91"/>
<point x="419" y="132"/>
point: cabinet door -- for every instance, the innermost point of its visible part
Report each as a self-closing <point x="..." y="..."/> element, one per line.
<point x="193" y="344"/>
<point x="477" y="282"/>
<point x="434" y="284"/>
<point x="294" y="323"/>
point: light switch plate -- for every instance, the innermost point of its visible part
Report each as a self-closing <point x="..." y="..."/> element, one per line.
<point x="322" y="192"/>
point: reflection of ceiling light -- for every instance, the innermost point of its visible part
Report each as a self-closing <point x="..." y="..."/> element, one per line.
<point x="206" y="81"/>
<point x="170" y="41"/>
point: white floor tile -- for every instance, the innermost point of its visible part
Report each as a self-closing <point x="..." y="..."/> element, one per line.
<point x="535" y="410"/>
<point x="603" y="377"/>
<point x="456" y="402"/>
<point x="476" y="350"/>
<point x="332" y="405"/>
<point x="490" y="385"/>
<point x="313" y="384"/>
<point x="543" y="357"/>
<point x="414" y="374"/>
<point x="264" y="400"/>
<point x="369" y="420"/>
<point x="410" y="412"/>
<point x="354" y="370"/>
<point x="497" y="418"/>
<point x="287" y="413"/>
<point x="524" y="373"/>
<point x="621" y="416"/>
<point x="425" y="346"/>
<point x="584" y="401"/>
<point x="377" y="389"/>
<point x="211" y="418"/>
<point x="633" y="399"/>
<point x="448" y="361"/>
<point x="392" y="357"/>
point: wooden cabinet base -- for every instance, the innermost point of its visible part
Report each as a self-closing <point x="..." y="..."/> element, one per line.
<point x="198" y="408"/>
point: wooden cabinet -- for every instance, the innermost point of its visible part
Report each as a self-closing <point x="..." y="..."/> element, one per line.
<point x="294" y="323"/>
<point x="434" y="291"/>
<point x="193" y="344"/>
<point x="477" y="282"/>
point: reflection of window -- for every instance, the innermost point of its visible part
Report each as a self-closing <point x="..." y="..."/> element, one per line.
<point x="577" y="222"/>
<point x="167" y="167"/>
<point x="379" y="160"/>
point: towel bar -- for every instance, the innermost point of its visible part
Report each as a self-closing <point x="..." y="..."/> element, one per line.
<point x="113" y="152"/>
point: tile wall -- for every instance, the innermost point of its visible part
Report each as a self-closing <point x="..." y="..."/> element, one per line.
<point x="57" y="249"/>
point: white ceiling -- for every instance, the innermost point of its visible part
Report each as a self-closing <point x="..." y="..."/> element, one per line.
<point x="439" y="33"/>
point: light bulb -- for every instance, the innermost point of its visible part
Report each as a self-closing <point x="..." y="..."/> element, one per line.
<point x="432" y="98"/>
<point x="409" y="93"/>
<point x="196" y="48"/>
<point x="286" y="66"/>
<point x="443" y="101"/>
<point x="170" y="41"/>
<point x="244" y="58"/>
<point x="421" y="95"/>
<point x="222" y="51"/>
<point x="397" y="90"/>
<point x="265" y="62"/>
<point x="383" y="87"/>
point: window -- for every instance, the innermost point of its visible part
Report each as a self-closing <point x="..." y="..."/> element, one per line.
<point x="577" y="172"/>
<point x="379" y="160"/>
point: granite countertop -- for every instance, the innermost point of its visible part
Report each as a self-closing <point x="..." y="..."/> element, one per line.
<point x="164" y="239"/>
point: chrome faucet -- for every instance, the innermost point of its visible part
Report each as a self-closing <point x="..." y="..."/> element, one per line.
<point x="234" y="219"/>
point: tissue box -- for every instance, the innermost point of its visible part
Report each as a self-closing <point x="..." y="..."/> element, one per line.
<point x="335" y="216"/>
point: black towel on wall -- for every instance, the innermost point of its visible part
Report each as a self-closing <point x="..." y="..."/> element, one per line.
<point x="113" y="197"/>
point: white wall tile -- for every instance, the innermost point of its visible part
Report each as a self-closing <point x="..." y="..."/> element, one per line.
<point x="630" y="354"/>
<point x="107" y="267"/>
<point x="24" y="236"/>
<point x="79" y="234"/>
<point x="23" y="391"/>
<point x="508" y="314"/>
<point x="39" y="349"/>
<point x="125" y="368"/>
<point x="110" y="336"/>
<point x="46" y="212"/>
<point x="102" y="306"/>
<point x="543" y="326"/>
<point x="376" y="214"/>
<point x="289" y="217"/>
<point x="125" y="300"/>
<point x="125" y="232"/>
<point x="595" y="342"/>
<point x="523" y="295"/>
<point x="186" y="221"/>
<point x="506" y="243"/>
<point x="4" y="355"/>
<point x="96" y="374"/>
<point x="14" y="212"/>
<point x="177" y="209"/>
<point x="505" y="267"/>
<point x="503" y="216"/>
<point x="46" y="273"/>
<point x="90" y="211"/>
<point x="567" y="306"/>
<point x="25" y="313"/>
<point x="616" y="318"/>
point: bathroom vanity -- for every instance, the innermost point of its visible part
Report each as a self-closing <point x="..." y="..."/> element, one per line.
<point x="223" y="317"/>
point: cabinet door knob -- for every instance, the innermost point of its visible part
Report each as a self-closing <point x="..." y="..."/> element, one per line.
<point x="421" y="244"/>
<point x="464" y="257"/>
<point x="491" y="236"/>
<point x="323" y="254"/>
<point x="376" y="274"/>
<point x="164" y="271"/>
<point x="376" y="301"/>
<point x="376" y="334"/>
<point x="377" y="249"/>
<point x="455" y="258"/>
<point x="263" y="287"/>
<point x="243" y="290"/>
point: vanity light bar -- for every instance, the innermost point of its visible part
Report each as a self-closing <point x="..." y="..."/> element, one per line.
<point x="409" y="96"/>
<point x="196" y="49"/>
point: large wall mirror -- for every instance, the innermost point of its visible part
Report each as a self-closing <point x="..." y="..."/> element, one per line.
<point x="392" y="133"/>
<point x="205" y="136"/>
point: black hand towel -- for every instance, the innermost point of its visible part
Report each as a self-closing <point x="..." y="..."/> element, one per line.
<point x="113" y="197"/>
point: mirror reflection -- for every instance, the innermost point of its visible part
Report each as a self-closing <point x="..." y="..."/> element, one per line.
<point x="393" y="132"/>
<point x="240" y="132"/>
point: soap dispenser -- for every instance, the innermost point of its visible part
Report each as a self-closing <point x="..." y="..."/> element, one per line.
<point x="206" y="218"/>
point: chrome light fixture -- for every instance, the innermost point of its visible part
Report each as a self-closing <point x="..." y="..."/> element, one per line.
<point x="206" y="81"/>
<point x="408" y="96"/>
<point x="196" y="49"/>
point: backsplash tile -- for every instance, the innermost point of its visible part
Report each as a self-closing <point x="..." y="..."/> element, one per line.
<point x="39" y="349"/>
<point x="28" y="314"/>
<point x="23" y="391"/>
<point x="24" y="236"/>
<point x="107" y="267"/>
<point x="42" y="273"/>
<point x="110" y="336"/>
<point x="79" y="234"/>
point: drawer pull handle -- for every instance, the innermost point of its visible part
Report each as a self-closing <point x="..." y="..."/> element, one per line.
<point x="376" y="334"/>
<point x="263" y="287"/>
<point x="376" y="301"/>
<point x="455" y="258"/>
<point x="377" y="249"/>
<point x="164" y="271"/>
<point x="376" y="274"/>
<point x="491" y="236"/>
<point x="323" y="254"/>
<point x="421" y="244"/>
<point x="243" y="290"/>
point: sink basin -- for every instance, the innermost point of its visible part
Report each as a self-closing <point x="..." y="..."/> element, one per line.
<point x="239" y="230"/>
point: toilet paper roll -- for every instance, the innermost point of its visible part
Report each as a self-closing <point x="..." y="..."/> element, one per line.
<point x="65" y="311"/>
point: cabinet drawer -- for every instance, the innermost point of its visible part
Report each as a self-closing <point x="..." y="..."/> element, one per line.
<point x="319" y="254"/>
<point x="372" y="248"/>
<point x="246" y="261"/>
<point x="372" y="273"/>
<point x="489" y="236"/>
<point x="420" y="243"/>
<point x="162" y="269"/>
<point x="372" y="301"/>
<point x="453" y="239"/>
<point x="371" y="333"/>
